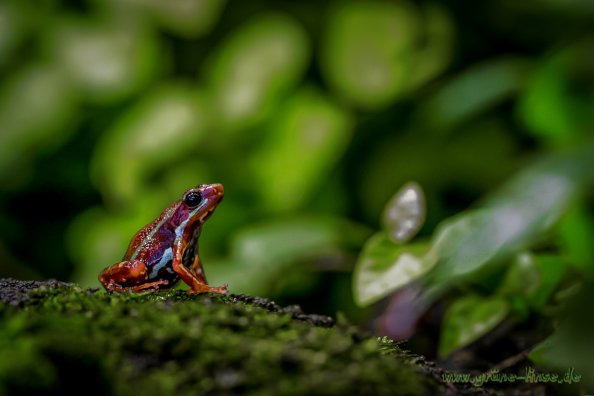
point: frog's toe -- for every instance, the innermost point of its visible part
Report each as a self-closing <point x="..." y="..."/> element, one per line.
<point x="221" y="289"/>
<point x="207" y="289"/>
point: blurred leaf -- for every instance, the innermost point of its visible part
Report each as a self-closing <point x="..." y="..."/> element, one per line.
<point x="405" y="212"/>
<point x="468" y="319"/>
<point x="186" y="18"/>
<point x="262" y="252"/>
<point x="551" y="269"/>
<point x="166" y="124"/>
<point x="522" y="277"/>
<point x="255" y="67"/>
<point x="307" y="138"/>
<point x="37" y="112"/>
<point x="13" y="28"/>
<point x="375" y="51"/>
<point x="467" y="241"/>
<point x="575" y="231"/>
<point x="471" y="92"/>
<point x="562" y="351"/>
<point x="533" y="278"/>
<point x="571" y="345"/>
<point x="384" y="267"/>
<point x="366" y="52"/>
<point x="544" y="108"/>
<point x="557" y="104"/>
<point x="107" y="60"/>
<point x="433" y="55"/>
<point x="512" y="218"/>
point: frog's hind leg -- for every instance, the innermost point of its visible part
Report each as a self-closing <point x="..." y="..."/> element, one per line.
<point x="197" y="269"/>
<point x="128" y="275"/>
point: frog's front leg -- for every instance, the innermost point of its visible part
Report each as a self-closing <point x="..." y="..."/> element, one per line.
<point x="128" y="275"/>
<point x="195" y="280"/>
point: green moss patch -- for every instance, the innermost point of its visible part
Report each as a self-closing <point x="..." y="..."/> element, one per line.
<point x="57" y="337"/>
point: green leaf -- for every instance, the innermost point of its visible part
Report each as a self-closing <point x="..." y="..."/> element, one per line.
<point x="15" y="23"/>
<point x="551" y="107"/>
<point x="522" y="278"/>
<point x="37" y="114"/>
<point x="480" y="87"/>
<point x="575" y="231"/>
<point x="256" y="66"/>
<point x="186" y="18"/>
<point x="166" y="124"/>
<point x="374" y="52"/>
<point x="468" y="319"/>
<point x="107" y="60"/>
<point x="543" y="107"/>
<point x="466" y="242"/>
<point x="551" y="269"/>
<point x="404" y="214"/>
<point x="533" y="278"/>
<point x="366" y="49"/>
<point x="306" y="140"/>
<point x="564" y="353"/>
<point x="384" y="267"/>
<point x="571" y="347"/>
<point x="438" y="38"/>
<point x="522" y="210"/>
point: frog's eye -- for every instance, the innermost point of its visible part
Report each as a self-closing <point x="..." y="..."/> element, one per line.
<point x="192" y="199"/>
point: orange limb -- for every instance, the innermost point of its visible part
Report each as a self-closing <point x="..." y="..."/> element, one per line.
<point x="195" y="278"/>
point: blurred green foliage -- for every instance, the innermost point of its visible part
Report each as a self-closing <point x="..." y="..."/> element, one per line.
<point x="312" y="115"/>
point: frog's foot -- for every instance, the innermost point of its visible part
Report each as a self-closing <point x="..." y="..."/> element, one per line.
<point x="126" y="276"/>
<point x="151" y="285"/>
<point x="195" y="280"/>
<point x="201" y="288"/>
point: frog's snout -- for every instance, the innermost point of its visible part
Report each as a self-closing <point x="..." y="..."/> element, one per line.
<point x="213" y="191"/>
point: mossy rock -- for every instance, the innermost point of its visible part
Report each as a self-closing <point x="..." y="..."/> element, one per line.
<point x="56" y="338"/>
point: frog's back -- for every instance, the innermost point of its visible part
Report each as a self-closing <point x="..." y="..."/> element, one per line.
<point x="154" y="238"/>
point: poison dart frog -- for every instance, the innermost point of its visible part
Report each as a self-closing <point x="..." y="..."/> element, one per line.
<point x="166" y="250"/>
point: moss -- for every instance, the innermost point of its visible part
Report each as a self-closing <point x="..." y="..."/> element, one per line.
<point x="58" y="338"/>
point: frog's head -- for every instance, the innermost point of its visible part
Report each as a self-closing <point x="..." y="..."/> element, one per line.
<point x="202" y="200"/>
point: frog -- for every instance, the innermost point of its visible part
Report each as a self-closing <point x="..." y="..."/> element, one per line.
<point x="165" y="251"/>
